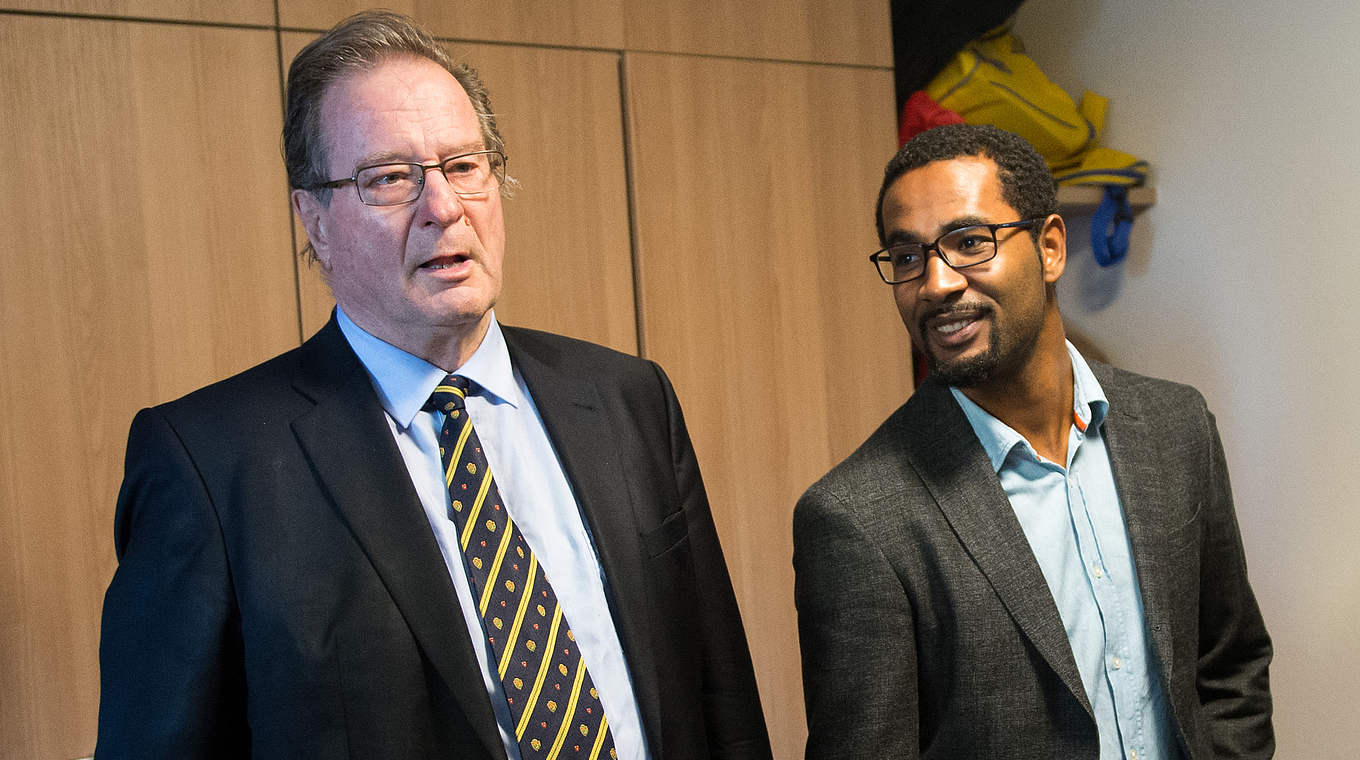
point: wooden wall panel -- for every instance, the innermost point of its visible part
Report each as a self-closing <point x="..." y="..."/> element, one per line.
<point x="145" y="254"/>
<point x="158" y="261"/>
<point x="235" y="12"/>
<point x="572" y="23"/>
<point x="856" y="32"/>
<point x="755" y="185"/>
<point x="568" y="266"/>
<point x="828" y="31"/>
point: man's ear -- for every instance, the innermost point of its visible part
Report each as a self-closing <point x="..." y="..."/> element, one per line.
<point x="312" y="213"/>
<point x="1053" y="248"/>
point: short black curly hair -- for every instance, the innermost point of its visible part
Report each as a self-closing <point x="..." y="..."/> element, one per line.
<point x="1026" y="184"/>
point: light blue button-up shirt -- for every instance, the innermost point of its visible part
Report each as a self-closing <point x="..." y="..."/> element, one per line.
<point x="1071" y="515"/>
<point x="536" y="493"/>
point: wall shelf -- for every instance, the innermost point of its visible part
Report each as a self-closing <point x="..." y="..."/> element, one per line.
<point x="1087" y="198"/>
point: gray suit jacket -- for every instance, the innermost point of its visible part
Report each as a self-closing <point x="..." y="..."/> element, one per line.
<point x="927" y="628"/>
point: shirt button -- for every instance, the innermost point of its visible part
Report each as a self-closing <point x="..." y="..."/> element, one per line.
<point x="1133" y="754"/>
<point x="1118" y="663"/>
<point x="1097" y="571"/>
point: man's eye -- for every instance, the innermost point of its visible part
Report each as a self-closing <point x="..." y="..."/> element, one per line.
<point x="972" y="242"/>
<point x="461" y="168"/>
<point x="388" y="178"/>
<point x="902" y="258"/>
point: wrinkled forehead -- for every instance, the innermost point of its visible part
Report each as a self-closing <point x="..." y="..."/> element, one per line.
<point x="404" y="108"/>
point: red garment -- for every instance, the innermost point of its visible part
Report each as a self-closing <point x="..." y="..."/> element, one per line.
<point x="920" y="113"/>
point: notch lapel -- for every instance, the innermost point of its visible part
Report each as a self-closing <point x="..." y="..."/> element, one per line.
<point x="348" y="442"/>
<point x="591" y="452"/>
<point x="946" y="454"/>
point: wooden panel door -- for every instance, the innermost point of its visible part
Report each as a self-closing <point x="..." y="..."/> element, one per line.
<point x="568" y="266"/>
<point x="144" y="254"/>
<point x="257" y="12"/>
<point x="571" y="23"/>
<point x="856" y="32"/>
<point x="755" y="185"/>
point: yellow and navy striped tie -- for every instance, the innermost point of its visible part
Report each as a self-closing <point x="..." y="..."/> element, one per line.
<point x="554" y="704"/>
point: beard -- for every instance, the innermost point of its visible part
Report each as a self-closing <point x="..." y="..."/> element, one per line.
<point x="969" y="372"/>
<point x="1009" y="347"/>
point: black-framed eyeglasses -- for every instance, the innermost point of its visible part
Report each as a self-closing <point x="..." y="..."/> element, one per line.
<point x="964" y="247"/>
<point x="392" y="184"/>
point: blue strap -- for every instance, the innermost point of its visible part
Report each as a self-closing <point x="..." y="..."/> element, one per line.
<point x="1110" y="226"/>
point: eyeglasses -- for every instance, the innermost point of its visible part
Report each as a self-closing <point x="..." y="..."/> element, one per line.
<point x="964" y="247"/>
<point x="470" y="175"/>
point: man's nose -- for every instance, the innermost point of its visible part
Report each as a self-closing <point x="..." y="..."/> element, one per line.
<point x="438" y="199"/>
<point x="939" y="279"/>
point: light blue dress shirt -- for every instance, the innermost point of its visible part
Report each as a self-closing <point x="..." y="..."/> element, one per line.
<point x="536" y="493"/>
<point x="1071" y="515"/>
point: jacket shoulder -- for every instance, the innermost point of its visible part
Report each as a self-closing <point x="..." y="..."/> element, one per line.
<point x="881" y="467"/>
<point x="567" y="358"/>
<point x="274" y="389"/>
<point x="1163" y="404"/>
<point x="550" y="346"/>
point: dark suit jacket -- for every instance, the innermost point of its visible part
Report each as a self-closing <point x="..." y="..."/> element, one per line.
<point x="279" y="591"/>
<point x="927" y="627"/>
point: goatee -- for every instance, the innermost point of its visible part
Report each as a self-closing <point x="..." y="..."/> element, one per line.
<point x="969" y="372"/>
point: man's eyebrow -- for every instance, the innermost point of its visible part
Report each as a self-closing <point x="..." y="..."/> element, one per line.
<point x="393" y="157"/>
<point x="384" y="157"/>
<point x="961" y="222"/>
<point x="899" y="237"/>
<point x="895" y="237"/>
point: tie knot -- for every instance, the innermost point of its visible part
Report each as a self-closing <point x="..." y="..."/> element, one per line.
<point x="450" y="394"/>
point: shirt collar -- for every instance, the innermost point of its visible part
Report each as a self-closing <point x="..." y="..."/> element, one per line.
<point x="1089" y="408"/>
<point x="404" y="381"/>
<point x="1089" y="405"/>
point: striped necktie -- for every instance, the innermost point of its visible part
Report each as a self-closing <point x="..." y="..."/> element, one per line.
<point x="553" y="702"/>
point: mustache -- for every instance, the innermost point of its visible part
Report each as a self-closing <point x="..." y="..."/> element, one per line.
<point x="956" y="310"/>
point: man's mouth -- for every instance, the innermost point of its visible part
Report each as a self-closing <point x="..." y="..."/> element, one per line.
<point x="446" y="262"/>
<point x="951" y="327"/>
<point x="954" y="327"/>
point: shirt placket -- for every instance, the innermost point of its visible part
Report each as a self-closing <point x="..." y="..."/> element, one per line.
<point x="1117" y="653"/>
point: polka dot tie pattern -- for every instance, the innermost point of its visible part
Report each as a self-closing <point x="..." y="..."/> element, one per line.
<point x="553" y="702"/>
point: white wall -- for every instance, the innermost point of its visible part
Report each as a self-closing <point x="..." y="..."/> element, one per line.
<point x="1243" y="281"/>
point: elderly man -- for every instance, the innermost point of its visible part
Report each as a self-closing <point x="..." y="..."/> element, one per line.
<point x="1036" y="555"/>
<point x="421" y="534"/>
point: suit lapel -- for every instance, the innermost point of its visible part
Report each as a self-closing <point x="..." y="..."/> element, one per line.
<point x="347" y="440"/>
<point x="1134" y="459"/>
<point x="589" y="448"/>
<point x="945" y="452"/>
